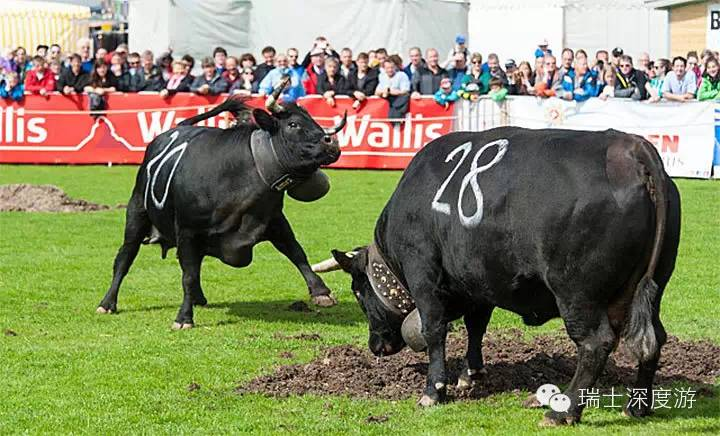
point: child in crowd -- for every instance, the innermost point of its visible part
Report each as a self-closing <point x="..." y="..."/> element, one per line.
<point x="445" y="95"/>
<point x="11" y="87"/>
<point x="497" y="91"/>
<point x="39" y="80"/>
<point x="608" y="91"/>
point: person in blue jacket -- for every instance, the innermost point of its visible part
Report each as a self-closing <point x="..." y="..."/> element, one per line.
<point x="579" y="84"/>
<point x="10" y="87"/>
<point x="273" y="78"/>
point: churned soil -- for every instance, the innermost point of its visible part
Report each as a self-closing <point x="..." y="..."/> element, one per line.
<point x="42" y="198"/>
<point x="513" y="364"/>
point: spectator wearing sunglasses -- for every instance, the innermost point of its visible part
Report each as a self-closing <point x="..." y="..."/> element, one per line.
<point x="680" y="84"/>
<point x="247" y="85"/>
<point x="630" y="83"/>
<point x="134" y="78"/>
<point x="476" y="81"/>
<point x="654" y="87"/>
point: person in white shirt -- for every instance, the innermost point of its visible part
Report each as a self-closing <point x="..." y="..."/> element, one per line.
<point x="680" y="85"/>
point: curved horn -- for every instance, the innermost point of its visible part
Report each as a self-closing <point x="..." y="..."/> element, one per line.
<point x="338" y="127"/>
<point x="326" y="265"/>
<point x="271" y="103"/>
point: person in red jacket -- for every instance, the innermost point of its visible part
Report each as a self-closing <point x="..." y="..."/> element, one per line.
<point x="316" y="68"/>
<point x="39" y="80"/>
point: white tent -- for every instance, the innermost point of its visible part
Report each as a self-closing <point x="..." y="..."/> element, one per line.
<point x="239" y="26"/>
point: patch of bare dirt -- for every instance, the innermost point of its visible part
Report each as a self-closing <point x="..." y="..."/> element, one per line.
<point x="42" y="198"/>
<point x="512" y="364"/>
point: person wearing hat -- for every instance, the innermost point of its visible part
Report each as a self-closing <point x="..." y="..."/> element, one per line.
<point x="616" y="55"/>
<point x="542" y="49"/>
<point x="446" y="95"/>
<point x="459" y="47"/>
<point x="314" y="70"/>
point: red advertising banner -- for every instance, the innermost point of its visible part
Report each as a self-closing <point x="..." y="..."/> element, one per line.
<point x="59" y="130"/>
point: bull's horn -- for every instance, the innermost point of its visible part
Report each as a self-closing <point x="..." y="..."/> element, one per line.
<point x="271" y="103"/>
<point x="326" y="265"/>
<point x="338" y="127"/>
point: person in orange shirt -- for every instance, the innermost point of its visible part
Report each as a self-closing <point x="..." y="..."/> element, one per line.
<point x="39" y="80"/>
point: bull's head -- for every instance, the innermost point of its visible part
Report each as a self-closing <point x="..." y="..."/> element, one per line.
<point x="301" y="144"/>
<point x="390" y="331"/>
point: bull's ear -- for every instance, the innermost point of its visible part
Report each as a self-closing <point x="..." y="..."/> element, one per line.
<point x="349" y="261"/>
<point x="266" y="121"/>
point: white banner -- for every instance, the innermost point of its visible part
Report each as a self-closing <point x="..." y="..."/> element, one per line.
<point x="683" y="133"/>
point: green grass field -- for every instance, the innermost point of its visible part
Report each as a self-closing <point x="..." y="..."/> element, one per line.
<point x="69" y="370"/>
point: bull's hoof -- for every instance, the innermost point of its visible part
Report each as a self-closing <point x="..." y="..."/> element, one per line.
<point x="323" y="300"/>
<point x="555" y="419"/>
<point x="426" y="401"/>
<point x="532" y="402"/>
<point x="466" y="379"/>
<point x="182" y="326"/>
<point x="102" y="310"/>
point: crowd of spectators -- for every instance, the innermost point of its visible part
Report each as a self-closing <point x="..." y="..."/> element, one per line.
<point x="324" y="71"/>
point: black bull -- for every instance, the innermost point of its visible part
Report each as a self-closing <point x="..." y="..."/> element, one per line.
<point x="205" y="192"/>
<point x="544" y="223"/>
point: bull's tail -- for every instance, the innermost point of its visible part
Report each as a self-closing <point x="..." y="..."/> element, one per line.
<point x="639" y="333"/>
<point x="234" y="105"/>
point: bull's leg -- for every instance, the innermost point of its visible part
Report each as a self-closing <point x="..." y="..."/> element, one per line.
<point x="646" y="375"/>
<point x="282" y="237"/>
<point x="137" y="226"/>
<point x="595" y="339"/>
<point x="476" y="324"/>
<point x="190" y="257"/>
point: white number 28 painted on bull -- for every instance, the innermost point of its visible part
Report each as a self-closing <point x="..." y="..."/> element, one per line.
<point x="470" y="178"/>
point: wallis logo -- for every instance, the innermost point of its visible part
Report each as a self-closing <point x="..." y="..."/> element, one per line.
<point x="16" y="129"/>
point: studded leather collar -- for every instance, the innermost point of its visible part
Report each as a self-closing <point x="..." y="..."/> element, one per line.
<point x="386" y="285"/>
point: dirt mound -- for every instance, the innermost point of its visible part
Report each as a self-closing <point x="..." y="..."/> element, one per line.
<point x="512" y="363"/>
<point x="42" y="198"/>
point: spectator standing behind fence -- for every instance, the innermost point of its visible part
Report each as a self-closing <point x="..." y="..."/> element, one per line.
<point x="644" y="63"/>
<point x="22" y="63"/>
<point x="549" y="80"/>
<point x="457" y="73"/>
<point x="394" y="86"/>
<point x="680" y="84"/>
<point x="497" y="92"/>
<point x="578" y="84"/>
<point x="179" y="80"/>
<point x="654" y="86"/>
<point x="101" y="82"/>
<point x="55" y="53"/>
<point x="164" y="64"/>
<point x="693" y="67"/>
<point x="609" y="78"/>
<point x="268" y="54"/>
<point x="476" y="82"/>
<point x="247" y="60"/>
<point x="247" y="85"/>
<point x="231" y="73"/>
<point x="272" y="79"/>
<point x="210" y="82"/>
<point x="151" y="76"/>
<point x="219" y="56"/>
<point x="72" y="80"/>
<point x="189" y="63"/>
<point x="121" y="75"/>
<point x="320" y="44"/>
<point x="292" y="55"/>
<point x="85" y="55"/>
<point x="542" y="49"/>
<point x="458" y="48"/>
<point x="40" y="79"/>
<point x="347" y="66"/>
<point x="525" y="81"/>
<point x="315" y="69"/>
<point x="415" y="64"/>
<point x="7" y="61"/>
<point x="629" y="82"/>
<point x="55" y="68"/>
<point x="445" y="95"/>
<point x="566" y="61"/>
<point x="10" y="87"/>
<point x="494" y="68"/>
<point x="710" y="85"/>
<point x="426" y="81"/>
<point x="135" y="76"/>
<point x="364" y="81"/>
<point x="331" y="83"/>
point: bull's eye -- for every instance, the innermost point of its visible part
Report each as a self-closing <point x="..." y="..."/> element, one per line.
<point x="293" y="125"/>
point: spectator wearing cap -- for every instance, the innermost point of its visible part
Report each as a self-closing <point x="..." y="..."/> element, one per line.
<point x="364" y="80"/>
<point x="40" y="79"/>
<point x="72" y="80"/>
<point x="445" y="94"/>
<point x="710" y="86"/>
<point x="347" y="66"/>
<point x="415" y="63"/>
<point x="630" y="83"/>
<point x="566" y="61"/>
<point x="179" y="80"/>
<point x="515" y="80"/>
<point x="394" y="86"/>
<point x="578" y="84"/>
<point x="617" y="53"/>
<point x="542" y="49"/>
<point x="314" y="70"/>
<point x="247" y="85"/>
<point x="475" y="83"/>
<point x="548" y="82"/>
<point x="680" y="84"/>
<point x="273" y="78"/>
<point x="457" y="73"/>
<point x="426" y="81"/>
<point x="219" y="56"/>
<point x="459" y="48"/>
<point x="268" y="54"/>
<point x="210" y="82"/>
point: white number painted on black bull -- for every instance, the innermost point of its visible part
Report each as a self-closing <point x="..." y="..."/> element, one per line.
<point x="470" y="178"/>
<point x="152" y="173"/>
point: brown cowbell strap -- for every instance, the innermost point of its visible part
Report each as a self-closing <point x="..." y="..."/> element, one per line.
<point x="386" y="285"/>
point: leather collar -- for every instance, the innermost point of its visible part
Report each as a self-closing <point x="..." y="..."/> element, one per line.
<point x="388" y="288"/>
<point x="268" y="165"/>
